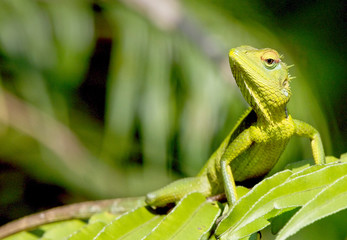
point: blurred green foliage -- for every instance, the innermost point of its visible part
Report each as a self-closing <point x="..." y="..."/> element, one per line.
<point x="117" y="98"/>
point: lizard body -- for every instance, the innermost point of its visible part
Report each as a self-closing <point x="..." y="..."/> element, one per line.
<point x="255" y="144"/>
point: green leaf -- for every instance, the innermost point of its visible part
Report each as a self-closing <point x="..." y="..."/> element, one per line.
<point x="61" y="230"/>
<point x="304" y="171"/>
<point x="295" y="191"/>
<point x="241" y="191"/>
<point x="138" y="222"/>
<point x="243" y="205"/>
<point x="330" y="200"/>
<point x="21" y="236"/>
<point x="88" y="232"/>
<point x="302" y="188"/>
<point x="105" y="217"/>
<point x="192" y="218"/>
<point x="256" y="225"/>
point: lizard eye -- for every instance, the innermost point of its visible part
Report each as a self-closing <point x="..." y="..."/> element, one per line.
<point x="270" y="59"/>
<point x="270" y="63"/>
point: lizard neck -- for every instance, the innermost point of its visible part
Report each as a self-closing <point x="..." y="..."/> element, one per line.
<point x="273" y="116"/>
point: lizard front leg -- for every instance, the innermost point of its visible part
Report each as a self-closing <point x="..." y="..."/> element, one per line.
<point x="235" y="148"/>
<point x="306" y="130"/>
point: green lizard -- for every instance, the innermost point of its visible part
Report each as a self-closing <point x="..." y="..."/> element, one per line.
<point x="255" y="144"/>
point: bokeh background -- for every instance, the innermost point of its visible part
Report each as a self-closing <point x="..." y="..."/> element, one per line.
<point x="104" y="99"/>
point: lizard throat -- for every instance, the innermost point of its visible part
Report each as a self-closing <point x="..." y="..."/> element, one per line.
<point x="264" y="108"/>
<point x="255" y="102"/>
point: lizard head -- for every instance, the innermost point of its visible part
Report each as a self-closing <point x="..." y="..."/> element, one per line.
<point x="262" y="78"/>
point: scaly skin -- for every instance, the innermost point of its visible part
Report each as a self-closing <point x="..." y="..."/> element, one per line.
<point x="255" y="144"/>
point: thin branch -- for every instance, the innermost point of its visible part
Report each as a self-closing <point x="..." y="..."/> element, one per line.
<point x="73" y="211"/>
